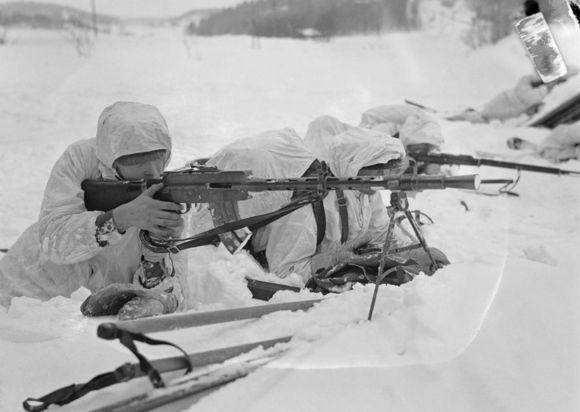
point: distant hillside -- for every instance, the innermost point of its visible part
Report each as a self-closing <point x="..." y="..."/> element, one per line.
<point x="193" y="16"/>
<point x="184" y="19"/>
<point x="302" y="18"/>
<point x="49" y="16"/>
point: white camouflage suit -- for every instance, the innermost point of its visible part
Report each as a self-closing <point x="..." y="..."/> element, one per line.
<point x="414" y="126"/>
<point x="563" y="143"/>
<point x="290" y="242"/>
<point x="522" y="99"/>
<point x="59" y="253"/>
<point x="516" y="101"/>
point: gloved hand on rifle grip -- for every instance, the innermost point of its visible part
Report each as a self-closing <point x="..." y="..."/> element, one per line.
<point x="161" y="219"/>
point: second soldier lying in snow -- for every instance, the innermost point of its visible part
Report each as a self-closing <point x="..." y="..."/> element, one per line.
<point x="311" y="239"/>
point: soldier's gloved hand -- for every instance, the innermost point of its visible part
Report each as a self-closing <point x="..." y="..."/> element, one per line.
<point x="129" y="302"/>
<point x="530" y="91"/>
<point x="397" y="167"/>
<point x="145" y="306"/>
<point x="424" y="149"/>
<point x="160" y="218"/>
<point x="336" y="279"/>
<point x="332" y="285"/>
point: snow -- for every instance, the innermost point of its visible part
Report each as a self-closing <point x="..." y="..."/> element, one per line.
<point x="498" y="329"/>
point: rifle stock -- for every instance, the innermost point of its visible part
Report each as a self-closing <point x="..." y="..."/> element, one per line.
<point x="106" y="195"/>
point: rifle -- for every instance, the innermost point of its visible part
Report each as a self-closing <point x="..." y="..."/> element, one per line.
<point x="207" y="184"/>
<point x="450" y="159"/>
<point x="202" y="184"/>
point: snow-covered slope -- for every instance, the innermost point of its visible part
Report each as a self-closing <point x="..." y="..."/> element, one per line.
<point x="496" y="330"/>
<point x="213" y="90"/>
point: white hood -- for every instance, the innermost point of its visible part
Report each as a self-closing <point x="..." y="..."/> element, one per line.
<point x="126" y="128"/>
<point x="271" y="154"/>
<point x="347" y="149"/>
<point x="413" y="125"/>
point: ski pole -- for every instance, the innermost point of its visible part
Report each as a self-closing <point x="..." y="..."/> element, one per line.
<point x="188" y="320"/>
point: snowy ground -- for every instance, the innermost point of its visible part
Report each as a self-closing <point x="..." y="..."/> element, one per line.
<point x="496" y="330"/>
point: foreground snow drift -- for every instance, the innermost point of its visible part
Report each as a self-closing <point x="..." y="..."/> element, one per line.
<point x="495" y="330"/>
<point x="524" y="358"/>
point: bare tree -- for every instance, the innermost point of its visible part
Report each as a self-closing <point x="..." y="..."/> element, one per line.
<point x="3" y="30"/>
<point x="255" y="36"/>
<point x="79" y="34"/>
<point x="3" y="35"/>
<point x="94" y="16"/>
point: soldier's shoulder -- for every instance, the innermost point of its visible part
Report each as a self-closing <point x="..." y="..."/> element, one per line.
<point x="81" y="148"/>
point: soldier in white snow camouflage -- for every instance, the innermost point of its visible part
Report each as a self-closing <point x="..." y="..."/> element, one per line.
<point x="70" y="247"/>
<point x="290" y="245"/>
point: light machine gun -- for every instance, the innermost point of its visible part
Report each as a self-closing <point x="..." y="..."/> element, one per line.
<point x="221" y="190"/>
<point x="201" y="184"/>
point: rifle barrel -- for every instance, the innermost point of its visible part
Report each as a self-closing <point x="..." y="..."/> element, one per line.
<point x="449" y="159"/>
<point x="233" y="186"/>
<point x="496" y="181"/>
<point x="403" y="182"/>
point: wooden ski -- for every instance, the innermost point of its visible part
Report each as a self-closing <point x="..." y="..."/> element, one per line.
<point x="189" y="320"/>
<point x="191" y="385"/>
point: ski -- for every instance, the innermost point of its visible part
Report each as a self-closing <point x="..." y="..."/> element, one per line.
<point x="567" y="112"/>
<point x="190" y="385"/>
<point x="189" y="320"/>
<point x="200" y="359"/>
<point x="129" y="371"/>
<point x="129" y="332"/>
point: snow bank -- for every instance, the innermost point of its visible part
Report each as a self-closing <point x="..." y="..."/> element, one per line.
<point x="524" y="358"/>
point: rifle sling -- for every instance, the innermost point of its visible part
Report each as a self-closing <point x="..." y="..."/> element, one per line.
<point x="343" y="215"/>
<point x="253" y="223"/>
<point x="320" y="218"/>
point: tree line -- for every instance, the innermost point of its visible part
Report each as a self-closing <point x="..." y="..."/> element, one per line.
<point x="309" y="18"/>
<point x="48" y="16"/>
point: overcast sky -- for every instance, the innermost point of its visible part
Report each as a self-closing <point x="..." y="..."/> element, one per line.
<point x="143" y="8"/>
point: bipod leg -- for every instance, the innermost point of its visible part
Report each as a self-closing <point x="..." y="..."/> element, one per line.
<point x="421" y="238"/>
<point x="380" y="275"/>
<point x="376" y="291"/>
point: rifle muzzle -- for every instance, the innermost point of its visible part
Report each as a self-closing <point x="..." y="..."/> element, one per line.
<point x="470" y="182"/>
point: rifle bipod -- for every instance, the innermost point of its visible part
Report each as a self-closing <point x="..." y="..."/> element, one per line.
<point x="399" y="204"/>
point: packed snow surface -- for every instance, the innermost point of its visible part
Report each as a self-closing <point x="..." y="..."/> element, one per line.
<point x="498" y="329"/>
